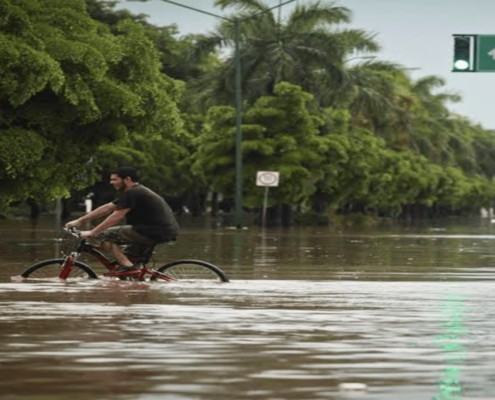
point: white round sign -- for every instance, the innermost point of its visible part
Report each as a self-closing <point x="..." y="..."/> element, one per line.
<point x="267" y="178"/>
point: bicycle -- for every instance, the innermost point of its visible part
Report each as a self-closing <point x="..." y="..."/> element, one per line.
<point x="69" y="265"/>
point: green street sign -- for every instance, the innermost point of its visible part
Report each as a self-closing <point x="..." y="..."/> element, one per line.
<point x="485" y="53"/>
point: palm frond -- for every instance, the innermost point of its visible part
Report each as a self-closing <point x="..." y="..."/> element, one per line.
<point x="242" y="5"/>
<point x="305" y="16"/>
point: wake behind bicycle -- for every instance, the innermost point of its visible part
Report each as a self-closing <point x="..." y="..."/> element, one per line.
<point x="69" y="266"/>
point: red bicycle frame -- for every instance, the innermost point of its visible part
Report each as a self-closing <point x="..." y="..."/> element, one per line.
<point x="67" y="266"/>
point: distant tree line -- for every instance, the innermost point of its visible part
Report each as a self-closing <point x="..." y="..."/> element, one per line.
<point x="85" y="87"/>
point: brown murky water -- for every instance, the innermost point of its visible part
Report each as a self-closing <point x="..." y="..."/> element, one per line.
<point x="396" y="313"/>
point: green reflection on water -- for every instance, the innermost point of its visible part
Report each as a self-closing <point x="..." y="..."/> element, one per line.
<point x="450" y="386"/>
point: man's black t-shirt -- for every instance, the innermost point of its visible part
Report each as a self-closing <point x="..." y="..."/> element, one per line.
<point x="149" y="214"/>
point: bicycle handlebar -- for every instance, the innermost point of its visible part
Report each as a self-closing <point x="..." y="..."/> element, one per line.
<point x="73" y="231"/>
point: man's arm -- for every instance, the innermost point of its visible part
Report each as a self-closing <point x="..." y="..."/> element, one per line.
<point x="109" y="221"/>
<point x="97" y="212"/>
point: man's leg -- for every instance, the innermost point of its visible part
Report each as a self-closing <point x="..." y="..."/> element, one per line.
<point x="117" y="252"/>
<point x="112" y="238"/>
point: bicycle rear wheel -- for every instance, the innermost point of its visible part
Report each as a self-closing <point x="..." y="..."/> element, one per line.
<point x="51" y="269"/>
<point x="192" y="270"/>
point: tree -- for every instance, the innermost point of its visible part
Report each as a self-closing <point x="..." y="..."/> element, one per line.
<point x="296" y="50"/>
<point x="70" y="86"/>
<point x="280" y="133"/>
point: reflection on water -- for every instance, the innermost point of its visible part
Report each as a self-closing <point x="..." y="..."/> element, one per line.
<point x="451" y="342"/>
<point x="401" y="313"/>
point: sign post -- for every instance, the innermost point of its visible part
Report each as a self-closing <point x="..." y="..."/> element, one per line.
<point x="267" y="179"/>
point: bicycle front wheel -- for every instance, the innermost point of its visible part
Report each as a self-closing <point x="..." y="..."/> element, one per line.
<point x="193" y="270"/>
<point x="49" y="269"/>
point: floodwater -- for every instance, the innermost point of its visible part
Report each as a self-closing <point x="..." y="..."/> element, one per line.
<point x="396" y="313"/>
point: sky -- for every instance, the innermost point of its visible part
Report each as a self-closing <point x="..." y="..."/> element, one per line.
<point x="417" y="34"/>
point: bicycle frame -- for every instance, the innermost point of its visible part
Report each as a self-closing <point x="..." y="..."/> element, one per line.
<point x="67" y="266"/>
<point x="72" y="257"/>
<point x="84" y="247"/>
<point x="158" y="275"/>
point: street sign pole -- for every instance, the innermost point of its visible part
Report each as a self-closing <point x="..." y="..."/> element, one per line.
<point x="265" y="205"/>
<point x="267" y="179"/>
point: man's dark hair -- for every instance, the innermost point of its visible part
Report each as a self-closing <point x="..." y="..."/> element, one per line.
<point x="125" y="172"/>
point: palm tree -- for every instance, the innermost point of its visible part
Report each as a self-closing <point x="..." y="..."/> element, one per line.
<point x="372" y="92"/>
<point x="308" y="43"/>
<point x="432" y="130"/>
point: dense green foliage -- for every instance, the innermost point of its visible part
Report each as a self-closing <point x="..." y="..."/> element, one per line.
<point x="84" y="87"/>
<point x="70" y="88"/>
<point x="279" y="133"/>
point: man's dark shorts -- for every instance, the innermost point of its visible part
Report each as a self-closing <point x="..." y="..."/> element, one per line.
<point x="135" y="244"/>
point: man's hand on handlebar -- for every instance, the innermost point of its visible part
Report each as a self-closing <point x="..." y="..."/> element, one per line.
<point x="80" y="234"/>
<point x="85" y="234"/>
<point x="71" y="224"/>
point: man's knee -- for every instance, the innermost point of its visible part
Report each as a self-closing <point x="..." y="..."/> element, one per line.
<point x="107" y="246"/>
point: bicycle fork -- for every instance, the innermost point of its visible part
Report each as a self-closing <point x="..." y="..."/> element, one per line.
<point x="67" y="265"/>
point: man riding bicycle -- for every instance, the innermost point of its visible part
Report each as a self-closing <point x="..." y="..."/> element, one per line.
<point x="149" y="220"/>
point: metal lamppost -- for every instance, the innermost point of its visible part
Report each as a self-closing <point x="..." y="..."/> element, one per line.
<point x="238" y="99"/>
